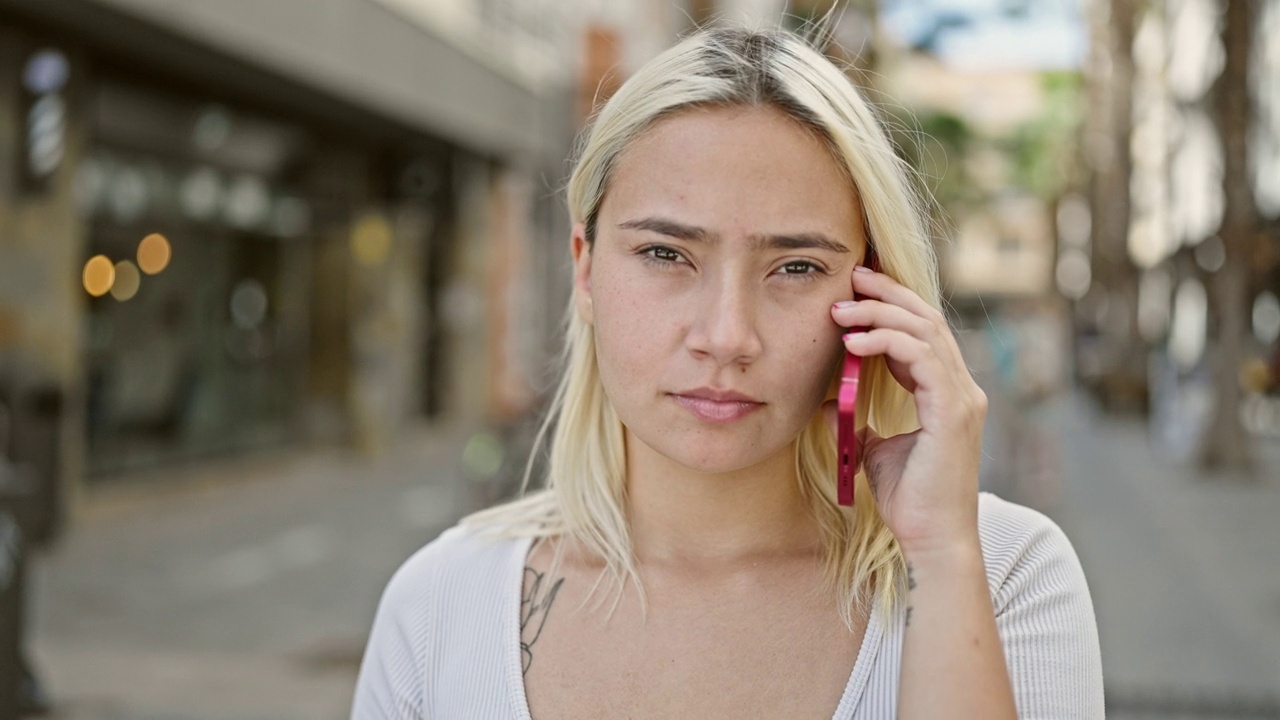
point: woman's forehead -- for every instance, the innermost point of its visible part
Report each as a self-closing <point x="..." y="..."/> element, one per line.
<point x="736" y="170"/>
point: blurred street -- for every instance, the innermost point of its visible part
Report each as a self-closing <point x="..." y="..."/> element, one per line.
<point x="249" y="595"/>
<point x="1182" y="569"/>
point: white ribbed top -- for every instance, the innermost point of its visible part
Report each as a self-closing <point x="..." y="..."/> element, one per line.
<point x="446" y="639"/>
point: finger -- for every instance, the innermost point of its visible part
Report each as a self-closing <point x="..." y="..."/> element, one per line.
<point x="876" y="313"/>
<point x="868" y="439"/>
<point x="863" y="314"/>
<point x="879" y="286"/>
<point x="883" y="458"/>
<point x="882" y="287"/>
<point x="923" y="367"/>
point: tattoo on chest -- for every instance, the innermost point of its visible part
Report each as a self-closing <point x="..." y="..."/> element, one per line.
<point x="539" y="594"/>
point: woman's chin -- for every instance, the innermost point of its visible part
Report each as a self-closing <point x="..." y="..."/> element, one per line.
<point x="714" y="458"/>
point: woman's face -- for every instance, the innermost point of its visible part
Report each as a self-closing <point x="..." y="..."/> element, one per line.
<point x="724" y="238"/>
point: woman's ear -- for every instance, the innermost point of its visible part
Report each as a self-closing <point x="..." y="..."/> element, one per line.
<point x="581" y="273"/>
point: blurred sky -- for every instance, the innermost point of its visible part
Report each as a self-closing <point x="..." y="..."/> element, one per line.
<point x="992" y="34"/>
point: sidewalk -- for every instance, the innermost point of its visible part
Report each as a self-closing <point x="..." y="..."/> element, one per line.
<point x="246" y="593"/>
<point x="1184" y="569"/>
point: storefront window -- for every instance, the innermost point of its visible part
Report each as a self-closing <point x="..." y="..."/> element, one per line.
<point x="199" y="345"/>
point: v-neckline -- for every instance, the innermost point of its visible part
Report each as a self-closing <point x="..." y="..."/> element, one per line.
<point x="853" y="689"/>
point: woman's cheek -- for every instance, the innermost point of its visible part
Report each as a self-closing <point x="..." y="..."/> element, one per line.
<point x="624" y="345"/>
<point x="816" y="361"/>
<point x="641" y="310"/>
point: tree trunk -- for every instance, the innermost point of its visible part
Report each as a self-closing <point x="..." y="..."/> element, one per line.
<point x="1122" y="385"/>
<point x="1227" y="445"/>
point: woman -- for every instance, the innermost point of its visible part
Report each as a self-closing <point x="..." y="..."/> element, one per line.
<point x="687" y="557"/>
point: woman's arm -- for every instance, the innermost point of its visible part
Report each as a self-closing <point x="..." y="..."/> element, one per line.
<point x="925" y="485"/>
<point x="953" y="664"/>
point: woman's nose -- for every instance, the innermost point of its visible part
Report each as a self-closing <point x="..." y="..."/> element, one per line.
<point x="724" y="328"/>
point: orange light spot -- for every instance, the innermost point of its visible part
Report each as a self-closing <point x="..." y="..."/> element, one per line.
<point x="154" y="253"/>
<point x="99" y="275"/>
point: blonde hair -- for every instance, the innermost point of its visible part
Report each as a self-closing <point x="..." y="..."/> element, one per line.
<point x="585" y="498"/>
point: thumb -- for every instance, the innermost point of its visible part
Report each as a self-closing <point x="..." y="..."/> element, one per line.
<point x="868" y="441"/>
<point x="868" y="438"/>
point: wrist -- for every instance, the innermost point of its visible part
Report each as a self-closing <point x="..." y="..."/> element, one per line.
<point x="942" y="551"/>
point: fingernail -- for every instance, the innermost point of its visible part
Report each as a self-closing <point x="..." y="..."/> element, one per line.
<point x="846" y="303"/>
<point x="848" y="336"/>
<point x="862" y="269"/>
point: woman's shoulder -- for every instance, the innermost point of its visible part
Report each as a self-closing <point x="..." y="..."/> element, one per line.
<point x="441" y="622"/>
<point x="1024" y="549"/>
<point x="462" y="557"/>
<point x="464" y="573"/>
<point x="1002" y="523"/>
<point x="1043" y="611"/>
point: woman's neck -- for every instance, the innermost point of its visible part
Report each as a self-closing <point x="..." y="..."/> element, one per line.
<point x="682" y="517"/>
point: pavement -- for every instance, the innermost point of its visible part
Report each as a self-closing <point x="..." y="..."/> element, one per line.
<point x="1183" y="566"/>
<point x="241" y="590"/>
<point x="244" y="590"/>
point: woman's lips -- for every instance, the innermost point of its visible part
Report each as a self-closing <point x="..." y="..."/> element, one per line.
<point x="716" y="411"/>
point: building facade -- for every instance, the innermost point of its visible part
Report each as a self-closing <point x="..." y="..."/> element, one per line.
<point x="227" y="226"/>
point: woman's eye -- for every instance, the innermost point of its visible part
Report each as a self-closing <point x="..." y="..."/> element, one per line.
<point x="800" y="267"/>
<point x="661" y="255"/>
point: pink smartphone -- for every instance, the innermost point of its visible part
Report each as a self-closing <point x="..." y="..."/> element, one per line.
<point x="846" y="411"/>
<point x="846" y="439"/>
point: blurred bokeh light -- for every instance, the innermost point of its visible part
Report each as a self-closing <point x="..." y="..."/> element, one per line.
<point x="99" y="275"/>
<point x="127" y="281"/>
<point x="154" y="253"/>
<point x="371" y="240"/>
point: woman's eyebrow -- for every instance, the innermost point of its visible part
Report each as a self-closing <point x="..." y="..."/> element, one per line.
<point x="670" y="228"/>
<point x="691" y="233"/>
<point x="798" y="241"/>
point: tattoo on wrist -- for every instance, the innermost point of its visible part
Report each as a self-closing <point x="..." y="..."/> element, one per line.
<point x="911" y="585"/>
<point x="534" y="606"/>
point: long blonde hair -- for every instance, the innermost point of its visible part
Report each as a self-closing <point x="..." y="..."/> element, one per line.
<point x="585" y="496"/>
